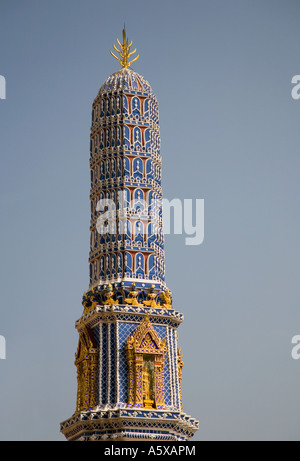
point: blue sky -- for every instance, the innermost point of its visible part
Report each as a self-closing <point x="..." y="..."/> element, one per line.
<point x="222" y="73"/>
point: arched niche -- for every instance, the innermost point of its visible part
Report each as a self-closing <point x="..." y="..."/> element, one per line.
<point x="145" y="353"/>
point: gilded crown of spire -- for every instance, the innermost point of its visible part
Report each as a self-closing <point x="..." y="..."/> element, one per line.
<point x="124" y="52"/>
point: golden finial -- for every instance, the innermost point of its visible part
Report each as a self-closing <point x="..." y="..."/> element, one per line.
<point x="124" y="53"/>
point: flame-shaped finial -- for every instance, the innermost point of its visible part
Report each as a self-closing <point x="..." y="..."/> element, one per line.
<point x="124" y="52"/>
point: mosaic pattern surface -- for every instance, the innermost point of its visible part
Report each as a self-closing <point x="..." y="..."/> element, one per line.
<point x="126" y="168"/>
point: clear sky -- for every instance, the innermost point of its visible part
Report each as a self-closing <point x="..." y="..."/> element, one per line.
<point x="222" y="72"/>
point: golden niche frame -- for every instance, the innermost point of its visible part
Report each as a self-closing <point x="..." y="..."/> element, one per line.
<point x="86" y="361"/>
<point x="145" y="358"/>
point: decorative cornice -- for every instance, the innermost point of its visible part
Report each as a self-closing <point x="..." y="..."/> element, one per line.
<point x="126" y="313"/>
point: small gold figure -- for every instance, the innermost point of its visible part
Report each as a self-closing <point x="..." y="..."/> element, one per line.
<point x="133" y="299"/>
<point x="85" y="303"/>
<point x="89" y="301"/>
<point x="109" y="295"/>
<point x="167" y="299"/>
<point x="152" y="295"/>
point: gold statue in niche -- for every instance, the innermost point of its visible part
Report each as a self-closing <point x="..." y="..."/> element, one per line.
<point x="148" y="382"/>
<point x="146" y="385"/>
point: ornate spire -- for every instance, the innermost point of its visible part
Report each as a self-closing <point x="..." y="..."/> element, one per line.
<point x="124" y="52"/>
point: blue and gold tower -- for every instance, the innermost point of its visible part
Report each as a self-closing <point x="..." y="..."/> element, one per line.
<point x="129" y="366"/>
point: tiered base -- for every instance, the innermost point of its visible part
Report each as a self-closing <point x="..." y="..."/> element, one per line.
<point x="129" y="424"/>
